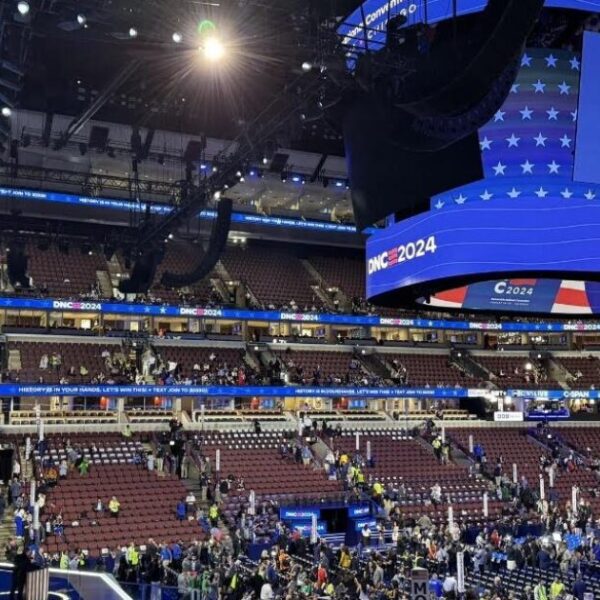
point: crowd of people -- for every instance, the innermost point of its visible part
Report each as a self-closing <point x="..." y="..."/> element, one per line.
<point x="547" y="537"/>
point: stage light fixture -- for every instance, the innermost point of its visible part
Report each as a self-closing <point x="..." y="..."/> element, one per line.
<point x="133" y="32"/>
<point x="306" y="67"/>
<point x="177" y="37"/>
<point x="6" y="111"/>
<point x="213" y="49"/>
<point x="23" y="8"/>
<point x="81" y="19"/>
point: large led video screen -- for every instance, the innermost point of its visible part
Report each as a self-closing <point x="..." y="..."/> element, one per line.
<point x="376" y="14"/>
<point x="442" y="250"/>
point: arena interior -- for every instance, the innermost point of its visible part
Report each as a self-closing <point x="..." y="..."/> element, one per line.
<point x="300" y="299"/>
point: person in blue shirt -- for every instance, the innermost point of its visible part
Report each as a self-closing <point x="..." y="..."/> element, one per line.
<point x="20" y="523"/>
<point x="109" y="562"/>
<point x="176" y="552"/>
<point x="435" y="586"/>
<point x="544" y="559"/>
<point x="579" y="588"/>
<point x="166" y="556"/>
<point x="181" y="510"/>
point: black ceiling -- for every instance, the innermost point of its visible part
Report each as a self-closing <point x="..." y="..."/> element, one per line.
<point x="68" y="64"/>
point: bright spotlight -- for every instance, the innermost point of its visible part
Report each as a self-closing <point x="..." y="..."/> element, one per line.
<point x="133" y="32"/>
<point x="213" y="49"/>
<point x="306" y="67"/>
<point x="177" y="37"/>
<point x="23" y="7"/>
<point x="81" y="19"/>
<point x="6" y="112"/>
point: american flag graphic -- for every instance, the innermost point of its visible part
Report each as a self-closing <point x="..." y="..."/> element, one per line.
<point x="528" y="146"/>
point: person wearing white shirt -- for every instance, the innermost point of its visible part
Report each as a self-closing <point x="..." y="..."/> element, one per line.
<point x="266" y="592"/>
<point x="449" y="586"/>
<point x="395" y="533"/>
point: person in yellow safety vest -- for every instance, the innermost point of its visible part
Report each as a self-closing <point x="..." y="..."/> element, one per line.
<point x="377" y="490"/>
<point x="345" y="558"/>
<point x="557" y="588"/>
<point x="213" y="514"/>
<point x="360" y="478"/>
<point x="133" y="556"/>
<point x="114" y="506"/>
<point x="64" y="560"/>
<point x="233" y="582"/>
<point x="539" y="592"/>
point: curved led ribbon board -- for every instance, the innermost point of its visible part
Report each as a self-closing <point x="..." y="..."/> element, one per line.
<point x="541" y="256"/>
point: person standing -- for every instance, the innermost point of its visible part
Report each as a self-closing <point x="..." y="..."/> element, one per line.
<point x="19" y="575"/>
<point x="539" y="592"/>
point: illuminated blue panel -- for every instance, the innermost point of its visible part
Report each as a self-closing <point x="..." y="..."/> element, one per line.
<point x="516" y="189"/>
<point x="547" y="237"/>
<point x="588" y="130"/>
<point x="162" y="209"/>
<point x="377" y="12"/>
<point x="533" y="134"/>
<point x="129" y="309"/>
<point x="93" y="391"/>
<point x="7" y="390"/>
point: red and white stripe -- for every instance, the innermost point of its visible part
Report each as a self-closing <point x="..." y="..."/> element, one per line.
<point x="572" y="299"/>
<point x="450" y="299"/>
<point x="37" y="584"/>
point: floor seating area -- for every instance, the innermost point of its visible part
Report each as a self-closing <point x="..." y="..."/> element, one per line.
<point x="515" y="446"/>
<point x="256" y="458"/>
<point x="148" y="502"/>
<point x="402" y="460"/>
<point x="516" y="581"/>
<point x="100" y="449"/>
